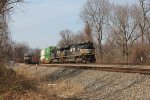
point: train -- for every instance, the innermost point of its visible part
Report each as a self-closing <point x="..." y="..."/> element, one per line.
<point x="83" y="52"/>
<point x="32" y="57"/>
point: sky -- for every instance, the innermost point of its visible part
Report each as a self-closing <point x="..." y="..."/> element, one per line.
<point x="38" y="22"/>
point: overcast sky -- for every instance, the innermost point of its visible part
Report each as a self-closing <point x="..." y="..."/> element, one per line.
<point x="38" y="22"/>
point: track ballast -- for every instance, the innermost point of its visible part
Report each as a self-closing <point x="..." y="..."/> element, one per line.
<point x="110" y="68"/>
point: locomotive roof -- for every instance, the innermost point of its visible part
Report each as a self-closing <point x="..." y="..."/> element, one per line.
<point x="75" y="45"/>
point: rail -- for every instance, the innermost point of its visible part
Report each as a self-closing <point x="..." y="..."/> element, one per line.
<point x="110" y="68"/>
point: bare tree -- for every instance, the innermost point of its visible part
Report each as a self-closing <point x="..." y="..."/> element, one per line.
<point x="144" y="10"/>
<point x="66" y="38"/>
<point x="124" y="28"/>
<point x="5" y="40"/>
<point x="18" y="51"/>
<point x="7" y="5"/>
<point x="147" y="33"/>
<point x="96" y="12"/>
<point x="79" y="37"/>
<point x="109" y="48"/>
<point x="88" y="32"/>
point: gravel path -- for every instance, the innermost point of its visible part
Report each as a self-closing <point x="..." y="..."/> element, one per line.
<point x="98" y="85"/>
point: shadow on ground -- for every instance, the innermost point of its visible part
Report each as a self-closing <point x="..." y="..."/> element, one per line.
<point x="63" y="74"/>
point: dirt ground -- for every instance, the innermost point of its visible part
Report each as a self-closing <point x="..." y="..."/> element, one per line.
<point x="91" y="84"/>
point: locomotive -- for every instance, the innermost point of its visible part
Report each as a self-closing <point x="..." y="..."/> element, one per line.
<point x="31" y="58"/>
<point x="78" y="53"/>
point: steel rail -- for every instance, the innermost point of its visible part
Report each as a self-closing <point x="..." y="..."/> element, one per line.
<point x="108" y="68"/>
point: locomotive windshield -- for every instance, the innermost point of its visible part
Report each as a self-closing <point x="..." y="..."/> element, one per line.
<point x="26" y="55"/>
<point x="88" y="45"/>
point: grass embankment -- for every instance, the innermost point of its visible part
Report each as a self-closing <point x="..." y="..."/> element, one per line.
<point x="21" y="85"/>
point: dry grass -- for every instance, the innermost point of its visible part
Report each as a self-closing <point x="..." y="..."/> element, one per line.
<point x="138" y="52"/>
<point x="12" y="84"/>
<point x="68" y="90"/>
<point x="31" y="96"/>
<point x="21" y="85"/>
<point x="23" y="72"/>
<point x="64" y="89"/>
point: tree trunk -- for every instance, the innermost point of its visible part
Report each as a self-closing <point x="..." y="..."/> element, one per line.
<point x="142" y="38"/>
<point x="127" y="55"/>
<point x="100" y="48"/>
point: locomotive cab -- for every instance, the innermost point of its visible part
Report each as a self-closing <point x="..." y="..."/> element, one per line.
<point x="87" y="51"/>
<point x="31" y="58"/>
<point x="82" y="52"/>
<point x="86" y="48"/>
<point x="27" y="58"/>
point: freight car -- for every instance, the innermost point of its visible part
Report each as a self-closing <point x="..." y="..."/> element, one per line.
<point x="31" y="58"/>
<point x="78" y="53"/>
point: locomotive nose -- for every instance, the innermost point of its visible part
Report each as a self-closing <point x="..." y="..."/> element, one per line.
<point x="89" y="51"/>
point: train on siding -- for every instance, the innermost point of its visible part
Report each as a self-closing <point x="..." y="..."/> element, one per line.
<point x="83" y="52"/>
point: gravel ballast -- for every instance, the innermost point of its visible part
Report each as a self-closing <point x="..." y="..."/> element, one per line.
<point x="96" y="84"/>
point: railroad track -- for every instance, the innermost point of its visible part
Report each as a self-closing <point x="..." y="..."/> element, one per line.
<point x="110" y="68"/>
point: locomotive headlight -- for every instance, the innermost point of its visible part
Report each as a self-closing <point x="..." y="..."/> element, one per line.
<point x="26" y="58"/>
<point x="89" y="50"/>
<point x="58" y="52"/>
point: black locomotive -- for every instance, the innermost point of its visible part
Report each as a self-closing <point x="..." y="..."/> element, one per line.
<point x="79" y="53"/>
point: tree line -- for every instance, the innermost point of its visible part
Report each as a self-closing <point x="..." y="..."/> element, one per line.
<point x="121" y="33"/>
<point x="8" y="49"/>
